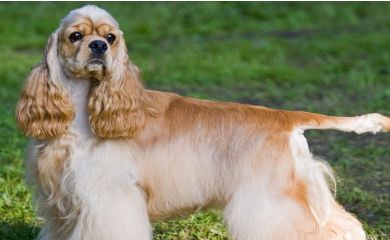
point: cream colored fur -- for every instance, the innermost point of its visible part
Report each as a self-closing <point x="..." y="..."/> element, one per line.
<point x="187" y="155"/>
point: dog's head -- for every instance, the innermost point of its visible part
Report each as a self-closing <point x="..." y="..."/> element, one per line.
<point x="88" y="45"/>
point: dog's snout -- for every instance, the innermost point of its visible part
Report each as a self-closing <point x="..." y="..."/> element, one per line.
<point x="98" y="47"/>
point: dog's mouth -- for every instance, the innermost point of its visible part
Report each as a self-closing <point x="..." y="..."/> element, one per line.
<point x="96" y="65"/>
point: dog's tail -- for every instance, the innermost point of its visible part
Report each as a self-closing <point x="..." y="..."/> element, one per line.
<point x="372" y="122"/>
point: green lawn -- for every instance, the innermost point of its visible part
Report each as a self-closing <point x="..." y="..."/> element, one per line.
<point x="331" y="58"/>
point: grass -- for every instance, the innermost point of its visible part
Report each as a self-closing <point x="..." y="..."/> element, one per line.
<point x="331" y="58"/>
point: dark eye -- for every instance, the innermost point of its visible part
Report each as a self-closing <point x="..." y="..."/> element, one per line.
<point x="110" y="38"/>
<point x="75" y="36"/>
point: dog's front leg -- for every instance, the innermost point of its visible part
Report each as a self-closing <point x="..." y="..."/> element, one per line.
<point x="111" y="204"/>
<point x="121" y="215"/>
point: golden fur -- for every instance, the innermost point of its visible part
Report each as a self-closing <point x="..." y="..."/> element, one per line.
<point x="44" y="108"/>
<point x="107" y="151"/>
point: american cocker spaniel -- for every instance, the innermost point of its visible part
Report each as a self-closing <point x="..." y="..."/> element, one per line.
<point x="107" y="156"/>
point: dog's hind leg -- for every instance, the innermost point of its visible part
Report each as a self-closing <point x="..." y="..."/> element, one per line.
<point x="255" y="213"/>
<point x="259" y="207"/>
<point x="286" y="196"/>
<point x="330" y="218"/>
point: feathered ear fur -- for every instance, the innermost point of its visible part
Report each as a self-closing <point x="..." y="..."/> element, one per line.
<point x="116" y="105"/>
<point x="44" y="109"/>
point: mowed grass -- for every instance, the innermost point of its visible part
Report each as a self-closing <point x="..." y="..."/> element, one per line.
<point x="331" y="58"/>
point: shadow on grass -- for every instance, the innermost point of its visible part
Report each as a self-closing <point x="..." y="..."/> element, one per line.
<point x="18" y="231"/>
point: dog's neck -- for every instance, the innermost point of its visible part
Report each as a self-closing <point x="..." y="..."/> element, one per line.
<point x="79" y="92"/>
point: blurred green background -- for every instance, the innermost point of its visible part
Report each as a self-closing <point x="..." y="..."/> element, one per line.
<point x="331" y="58"/>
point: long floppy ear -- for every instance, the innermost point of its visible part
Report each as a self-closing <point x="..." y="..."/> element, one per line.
<point x="44" y="109"/>
<point x="116" y="106"/>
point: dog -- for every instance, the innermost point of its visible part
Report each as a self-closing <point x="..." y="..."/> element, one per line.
<point x="107" y="157"/>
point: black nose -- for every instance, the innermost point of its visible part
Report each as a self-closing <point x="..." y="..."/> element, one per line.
<point x="98" y="47"/>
